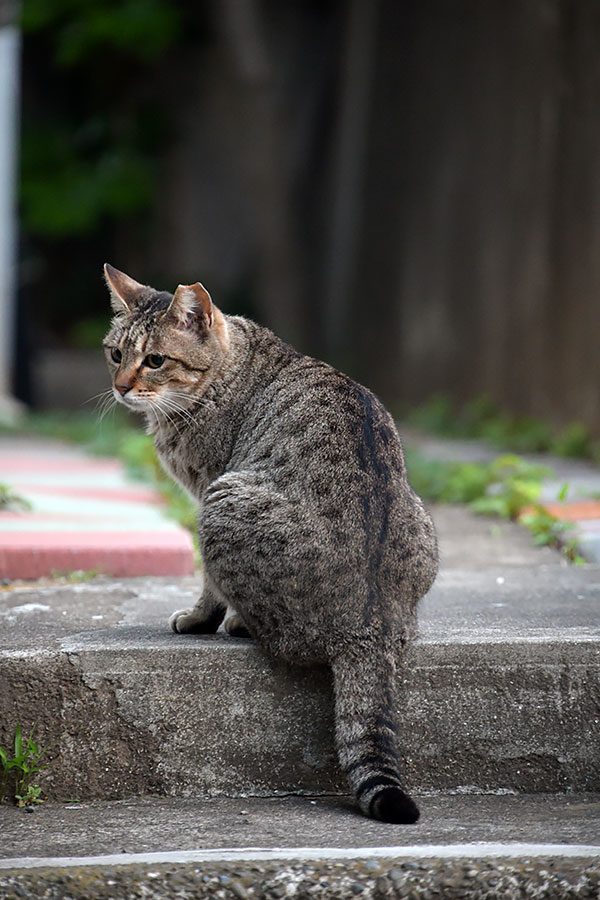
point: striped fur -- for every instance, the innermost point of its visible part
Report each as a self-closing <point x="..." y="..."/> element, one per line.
<point x="313" y="541"/>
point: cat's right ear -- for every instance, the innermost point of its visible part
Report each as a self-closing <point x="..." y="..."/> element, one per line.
<point x="191" y="307"/>
<point x="124" y="291"/>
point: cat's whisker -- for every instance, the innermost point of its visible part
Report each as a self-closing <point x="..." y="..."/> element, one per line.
<point x="105" y="404"/>
<point x="103" y="400"/>
<point x="197" y="401"/>
<point x="177" y="408"/>
<point x="110" y="407"/>
<point x="182" y="409"/>
<point x="157" y="406"/>
<point x="152" y="426"/>
<point x="98" y="397"/>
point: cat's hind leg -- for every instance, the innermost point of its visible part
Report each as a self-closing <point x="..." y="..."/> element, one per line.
<point x="263" y="552"/>
<point x="204" y="618"/>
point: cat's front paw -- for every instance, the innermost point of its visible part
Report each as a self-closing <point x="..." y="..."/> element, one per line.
<point x="194" y="621"/>
<point x="179" y="620"/>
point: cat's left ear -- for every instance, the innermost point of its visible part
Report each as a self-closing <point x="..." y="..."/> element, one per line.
<point x="191" y="306"/>
<point x="124" y="291"/>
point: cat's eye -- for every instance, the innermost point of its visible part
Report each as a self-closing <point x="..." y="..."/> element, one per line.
<point x="116" y="355"/>
<point x="154" y="360"/>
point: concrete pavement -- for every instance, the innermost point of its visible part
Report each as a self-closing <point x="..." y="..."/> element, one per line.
<point x="464" y="847"/>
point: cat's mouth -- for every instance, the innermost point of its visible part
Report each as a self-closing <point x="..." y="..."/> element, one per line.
<point x="133" y="401"/>
<point x="161" y="409"/>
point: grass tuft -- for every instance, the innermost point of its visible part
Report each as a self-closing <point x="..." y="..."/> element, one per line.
<point x="18" y="770"/>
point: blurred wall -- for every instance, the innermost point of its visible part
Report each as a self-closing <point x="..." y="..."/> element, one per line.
<point x="408" y="189"/>
<point x="478" y="264"/>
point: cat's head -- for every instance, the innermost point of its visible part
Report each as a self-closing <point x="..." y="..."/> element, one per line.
<point x="163" y="350"/>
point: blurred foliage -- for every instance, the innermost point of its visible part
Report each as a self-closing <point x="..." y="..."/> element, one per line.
<point x="89" y="333"/>
<point x="11" y="501"/>
<point x="65" y="190"/>
<point x="89" y="145"/>
<point x="502" y="487"/>
<point x="142" y="28"/>
<point x="483" y="419"/>
<point x="509" y="487"/>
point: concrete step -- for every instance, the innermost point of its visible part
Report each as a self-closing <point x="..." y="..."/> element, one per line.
<point x="464" y="846"/>
<point x="502" y="692"/>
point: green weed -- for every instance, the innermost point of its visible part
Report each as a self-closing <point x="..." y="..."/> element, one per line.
<point x="483" y="419"/>
<point x="549" y="530"/>
<point x="74" y="576"/>
<point x="509" y="487"/>
<point x="18" y="770"/>
<point x="512" y="484"/>
<point x="11" y="502"/>
<point x="31" y="797"/>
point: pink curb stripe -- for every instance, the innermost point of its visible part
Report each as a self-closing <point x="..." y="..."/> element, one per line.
<point x="70" y="465"/>
<point x="122" y="554"/>
<point x="116" y="494"/>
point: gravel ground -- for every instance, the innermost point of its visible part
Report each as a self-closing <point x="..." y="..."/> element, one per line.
<point x="370" y="878"/>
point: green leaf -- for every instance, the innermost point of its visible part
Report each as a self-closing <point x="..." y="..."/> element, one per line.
<point x="491" y="506"/>
<point x="562" y="494"/>
<point x="18" y="742"/>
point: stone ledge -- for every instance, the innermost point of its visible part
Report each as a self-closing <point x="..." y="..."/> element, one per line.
<point x="133" y="711"/>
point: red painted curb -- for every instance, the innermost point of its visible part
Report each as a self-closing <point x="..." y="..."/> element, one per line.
<point x="35" y="554"/>
<point x="575" y="512"/>
<point x="117" y="542"/>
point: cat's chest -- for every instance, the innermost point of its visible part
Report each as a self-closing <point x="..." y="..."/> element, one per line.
<point x="179" y="460"/>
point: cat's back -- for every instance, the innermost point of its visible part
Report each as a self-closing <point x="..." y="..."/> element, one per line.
<point x="306" y="417"/>
<point x="312" y="429"/>
<point x="328" y="443"/>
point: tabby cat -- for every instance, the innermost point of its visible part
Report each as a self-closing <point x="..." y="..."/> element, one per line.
<point x="312" y="539"/>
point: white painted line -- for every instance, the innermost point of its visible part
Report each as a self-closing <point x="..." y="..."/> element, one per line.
<point x="256" y="854"/>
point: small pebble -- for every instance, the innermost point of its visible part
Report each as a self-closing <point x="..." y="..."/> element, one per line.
<point x="239" y="890"/>
<point x="372" y="865"/>
<point x="279" y="891"/>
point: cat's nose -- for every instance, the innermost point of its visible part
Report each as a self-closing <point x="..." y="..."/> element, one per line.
<point x="123" y="388"/>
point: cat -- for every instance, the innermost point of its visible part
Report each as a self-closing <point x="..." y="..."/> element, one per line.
<point x="312" y="540"/>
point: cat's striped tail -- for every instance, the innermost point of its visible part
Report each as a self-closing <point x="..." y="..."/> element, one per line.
<point x="366" y="736"/>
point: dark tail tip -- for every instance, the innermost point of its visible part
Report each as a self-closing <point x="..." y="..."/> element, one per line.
<point x="393" y="805"/>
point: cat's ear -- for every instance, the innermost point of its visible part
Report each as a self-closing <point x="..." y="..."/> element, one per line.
<point x="191" y="306"/>
<point x="124" y="291"/>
